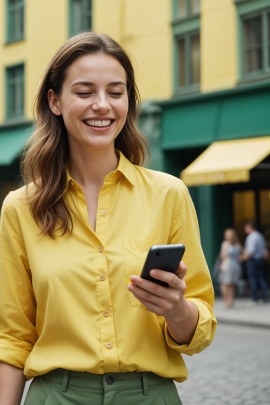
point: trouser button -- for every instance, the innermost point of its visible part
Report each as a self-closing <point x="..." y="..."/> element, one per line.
<point x="109" y="379"/>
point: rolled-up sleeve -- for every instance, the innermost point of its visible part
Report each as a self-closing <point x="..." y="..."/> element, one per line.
<point x="199" y="289"/>
<point x="203" y="335"/>
<point x="17" y="301"/>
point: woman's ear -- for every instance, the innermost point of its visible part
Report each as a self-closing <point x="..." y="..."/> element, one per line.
<point x="53" y="101"/>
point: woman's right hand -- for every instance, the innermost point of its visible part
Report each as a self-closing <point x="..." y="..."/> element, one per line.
<point x="12" y="383"/>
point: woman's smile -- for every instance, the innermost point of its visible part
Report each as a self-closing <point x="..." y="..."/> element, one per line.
<point x="97" y="123"/>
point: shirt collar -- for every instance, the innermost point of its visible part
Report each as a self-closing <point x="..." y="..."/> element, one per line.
<point x="125" y="167"/>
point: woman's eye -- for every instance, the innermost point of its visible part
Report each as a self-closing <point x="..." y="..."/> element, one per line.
<point x="116" y="94"/>
<point x="84" y="94"/>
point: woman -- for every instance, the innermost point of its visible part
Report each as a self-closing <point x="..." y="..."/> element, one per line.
<point x="75" y="315"/>
<point x="230" y="268"/>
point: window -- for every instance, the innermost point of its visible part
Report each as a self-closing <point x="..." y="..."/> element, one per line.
<point x="189" y="60"/>
<point x="187" y="8"/>
<point x="80" y="16"/>
<point x="253" y="44"/>
<point x="186" y="32"/>
<point x="15" y="20"/>
<point x="15" y="91"/>
<point x="268" y="39"/>
<point x="254" y="38"/>
<point x="257" y="42"/>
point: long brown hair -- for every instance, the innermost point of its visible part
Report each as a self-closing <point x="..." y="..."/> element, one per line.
<point x="46" y="153"/>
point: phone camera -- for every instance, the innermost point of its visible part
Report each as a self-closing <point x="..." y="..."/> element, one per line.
<point x="159" y="253"/>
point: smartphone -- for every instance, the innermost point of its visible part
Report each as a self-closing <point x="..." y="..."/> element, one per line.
<point x="162" y="257"/>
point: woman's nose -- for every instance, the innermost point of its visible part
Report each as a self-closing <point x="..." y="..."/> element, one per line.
<point x="100" y="103"/>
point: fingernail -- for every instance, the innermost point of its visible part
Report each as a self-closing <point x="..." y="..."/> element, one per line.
<point x="153" y="272"/>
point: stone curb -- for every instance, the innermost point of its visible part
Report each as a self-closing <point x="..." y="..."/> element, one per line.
<point x="242" y="322"/>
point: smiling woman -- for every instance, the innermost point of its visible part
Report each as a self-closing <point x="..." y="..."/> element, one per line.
<point x="78" y="231"/>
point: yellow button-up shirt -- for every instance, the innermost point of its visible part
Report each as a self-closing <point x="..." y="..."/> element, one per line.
<point x="65" y="303"/>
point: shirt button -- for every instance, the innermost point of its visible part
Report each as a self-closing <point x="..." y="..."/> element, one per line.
<point x="104" y="213"/>
<point x="109" y="379"/>
<point x="106" y="313"/>
<point x="100" y="249"/>
<point x="109" y="345"/>
<point x="102" y="277"/>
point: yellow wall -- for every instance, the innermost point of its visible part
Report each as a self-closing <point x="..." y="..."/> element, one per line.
<point x="218" y="45"/>
<point x="143" y="28"/>
<point x="46" y="28"/>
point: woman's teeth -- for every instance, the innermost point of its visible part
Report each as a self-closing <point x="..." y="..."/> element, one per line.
<point x="94" y="123"/>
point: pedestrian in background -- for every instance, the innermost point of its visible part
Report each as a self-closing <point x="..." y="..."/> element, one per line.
<point x="78" y="231"/>
<point x="254" y="254"/>
<point x="230" y="268"/>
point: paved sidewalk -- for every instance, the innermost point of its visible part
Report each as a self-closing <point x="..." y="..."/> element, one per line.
<point x="243" y="313"/>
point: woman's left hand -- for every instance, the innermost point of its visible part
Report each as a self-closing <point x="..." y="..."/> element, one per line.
<point x="163" y="301"/>
<point x="180" y="315"/>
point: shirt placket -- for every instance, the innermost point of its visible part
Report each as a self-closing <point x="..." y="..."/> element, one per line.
<point x="107" y="330"/>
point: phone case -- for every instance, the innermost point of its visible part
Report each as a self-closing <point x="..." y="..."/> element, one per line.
<point x="162" y="257"/>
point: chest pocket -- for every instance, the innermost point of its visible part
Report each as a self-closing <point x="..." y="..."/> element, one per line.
<point x="135" y="253"/>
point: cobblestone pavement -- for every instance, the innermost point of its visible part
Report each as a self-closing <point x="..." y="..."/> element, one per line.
<point x="234" y="370"/>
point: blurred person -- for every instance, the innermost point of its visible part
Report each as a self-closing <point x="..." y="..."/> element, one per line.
<point x="80" y="228"/>
<point x="254" y="254"/>
<point x="230" y="268"/>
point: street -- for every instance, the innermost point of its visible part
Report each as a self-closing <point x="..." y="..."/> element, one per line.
<point x="234" y="370"/>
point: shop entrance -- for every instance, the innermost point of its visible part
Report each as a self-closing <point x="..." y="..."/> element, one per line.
<point x="252" y="205"/>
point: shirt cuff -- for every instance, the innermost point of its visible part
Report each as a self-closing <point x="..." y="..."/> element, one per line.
<point x="203" y="334"/>
<point x="14" y="355"/>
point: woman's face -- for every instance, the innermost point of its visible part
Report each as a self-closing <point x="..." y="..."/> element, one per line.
<point x="93" y="101"/>
<point x="228" y="236"/>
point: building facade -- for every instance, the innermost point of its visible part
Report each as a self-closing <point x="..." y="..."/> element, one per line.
<point x="203" y="70"/>
<point x="216" y="126"/>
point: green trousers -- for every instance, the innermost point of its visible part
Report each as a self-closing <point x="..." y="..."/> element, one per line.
<point x="63" y="387"/>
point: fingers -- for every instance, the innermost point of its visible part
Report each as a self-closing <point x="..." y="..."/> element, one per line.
<point x="170" y="278"/>
<point x="175" y="281"/>
<point x="151" y="300"/>
<point x="182" y="270"/>
<point x="144" y="288"/>
<point x="157" y="299"/>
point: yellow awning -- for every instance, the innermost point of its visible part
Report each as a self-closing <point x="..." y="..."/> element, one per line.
<point x="227" y="162"/>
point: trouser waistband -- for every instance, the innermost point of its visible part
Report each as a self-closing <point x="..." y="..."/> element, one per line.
<point x="101" y="382"/>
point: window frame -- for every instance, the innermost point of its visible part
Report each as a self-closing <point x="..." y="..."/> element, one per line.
<point x="16" y="9"/>
<point x="72" y="28"/>
<point x="184" y="28"/>
<point x="187" y="37"/>
<point x="189" y="14"/>
<point x="9" y="114"/>
<point x="247" y="9"/>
